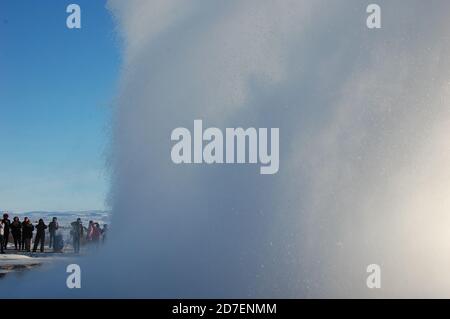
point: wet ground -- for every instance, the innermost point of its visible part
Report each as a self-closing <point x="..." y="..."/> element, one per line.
<point x="18" y="261"/>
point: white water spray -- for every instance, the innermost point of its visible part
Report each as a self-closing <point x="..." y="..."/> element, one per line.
<point x="364" y="152"/>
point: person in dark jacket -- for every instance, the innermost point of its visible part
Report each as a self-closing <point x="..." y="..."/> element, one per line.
<point x="6" y="223"/>
<point x="2" y="232"/>
<point x="27" y="233"/>
<point x="16" y="231"/>
<point x="77" y="233"/>
<point x="52" y="228"/>
<point x="40" y="235"/>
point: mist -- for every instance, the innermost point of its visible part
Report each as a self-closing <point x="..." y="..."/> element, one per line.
<point x="363" y="176"/>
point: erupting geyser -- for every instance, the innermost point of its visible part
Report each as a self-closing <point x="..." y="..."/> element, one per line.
<point x="364" y="151"/>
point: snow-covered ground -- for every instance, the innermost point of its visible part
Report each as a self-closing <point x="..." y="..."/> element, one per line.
<point x="15" y="262"/>
<point x="18" y="261"/>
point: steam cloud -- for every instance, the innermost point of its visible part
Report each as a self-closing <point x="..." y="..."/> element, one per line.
<point x="364" y="150"/>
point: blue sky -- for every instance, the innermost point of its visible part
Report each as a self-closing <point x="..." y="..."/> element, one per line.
<point x="57" y="86"/>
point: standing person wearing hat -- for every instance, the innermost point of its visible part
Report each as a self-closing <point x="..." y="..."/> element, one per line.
<point x="27" y="233"/>
<point x="40" y="235"/>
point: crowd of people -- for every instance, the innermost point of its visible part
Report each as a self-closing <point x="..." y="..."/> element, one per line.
<point x="94" y="233"/>
<point x="22" y="234"/>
